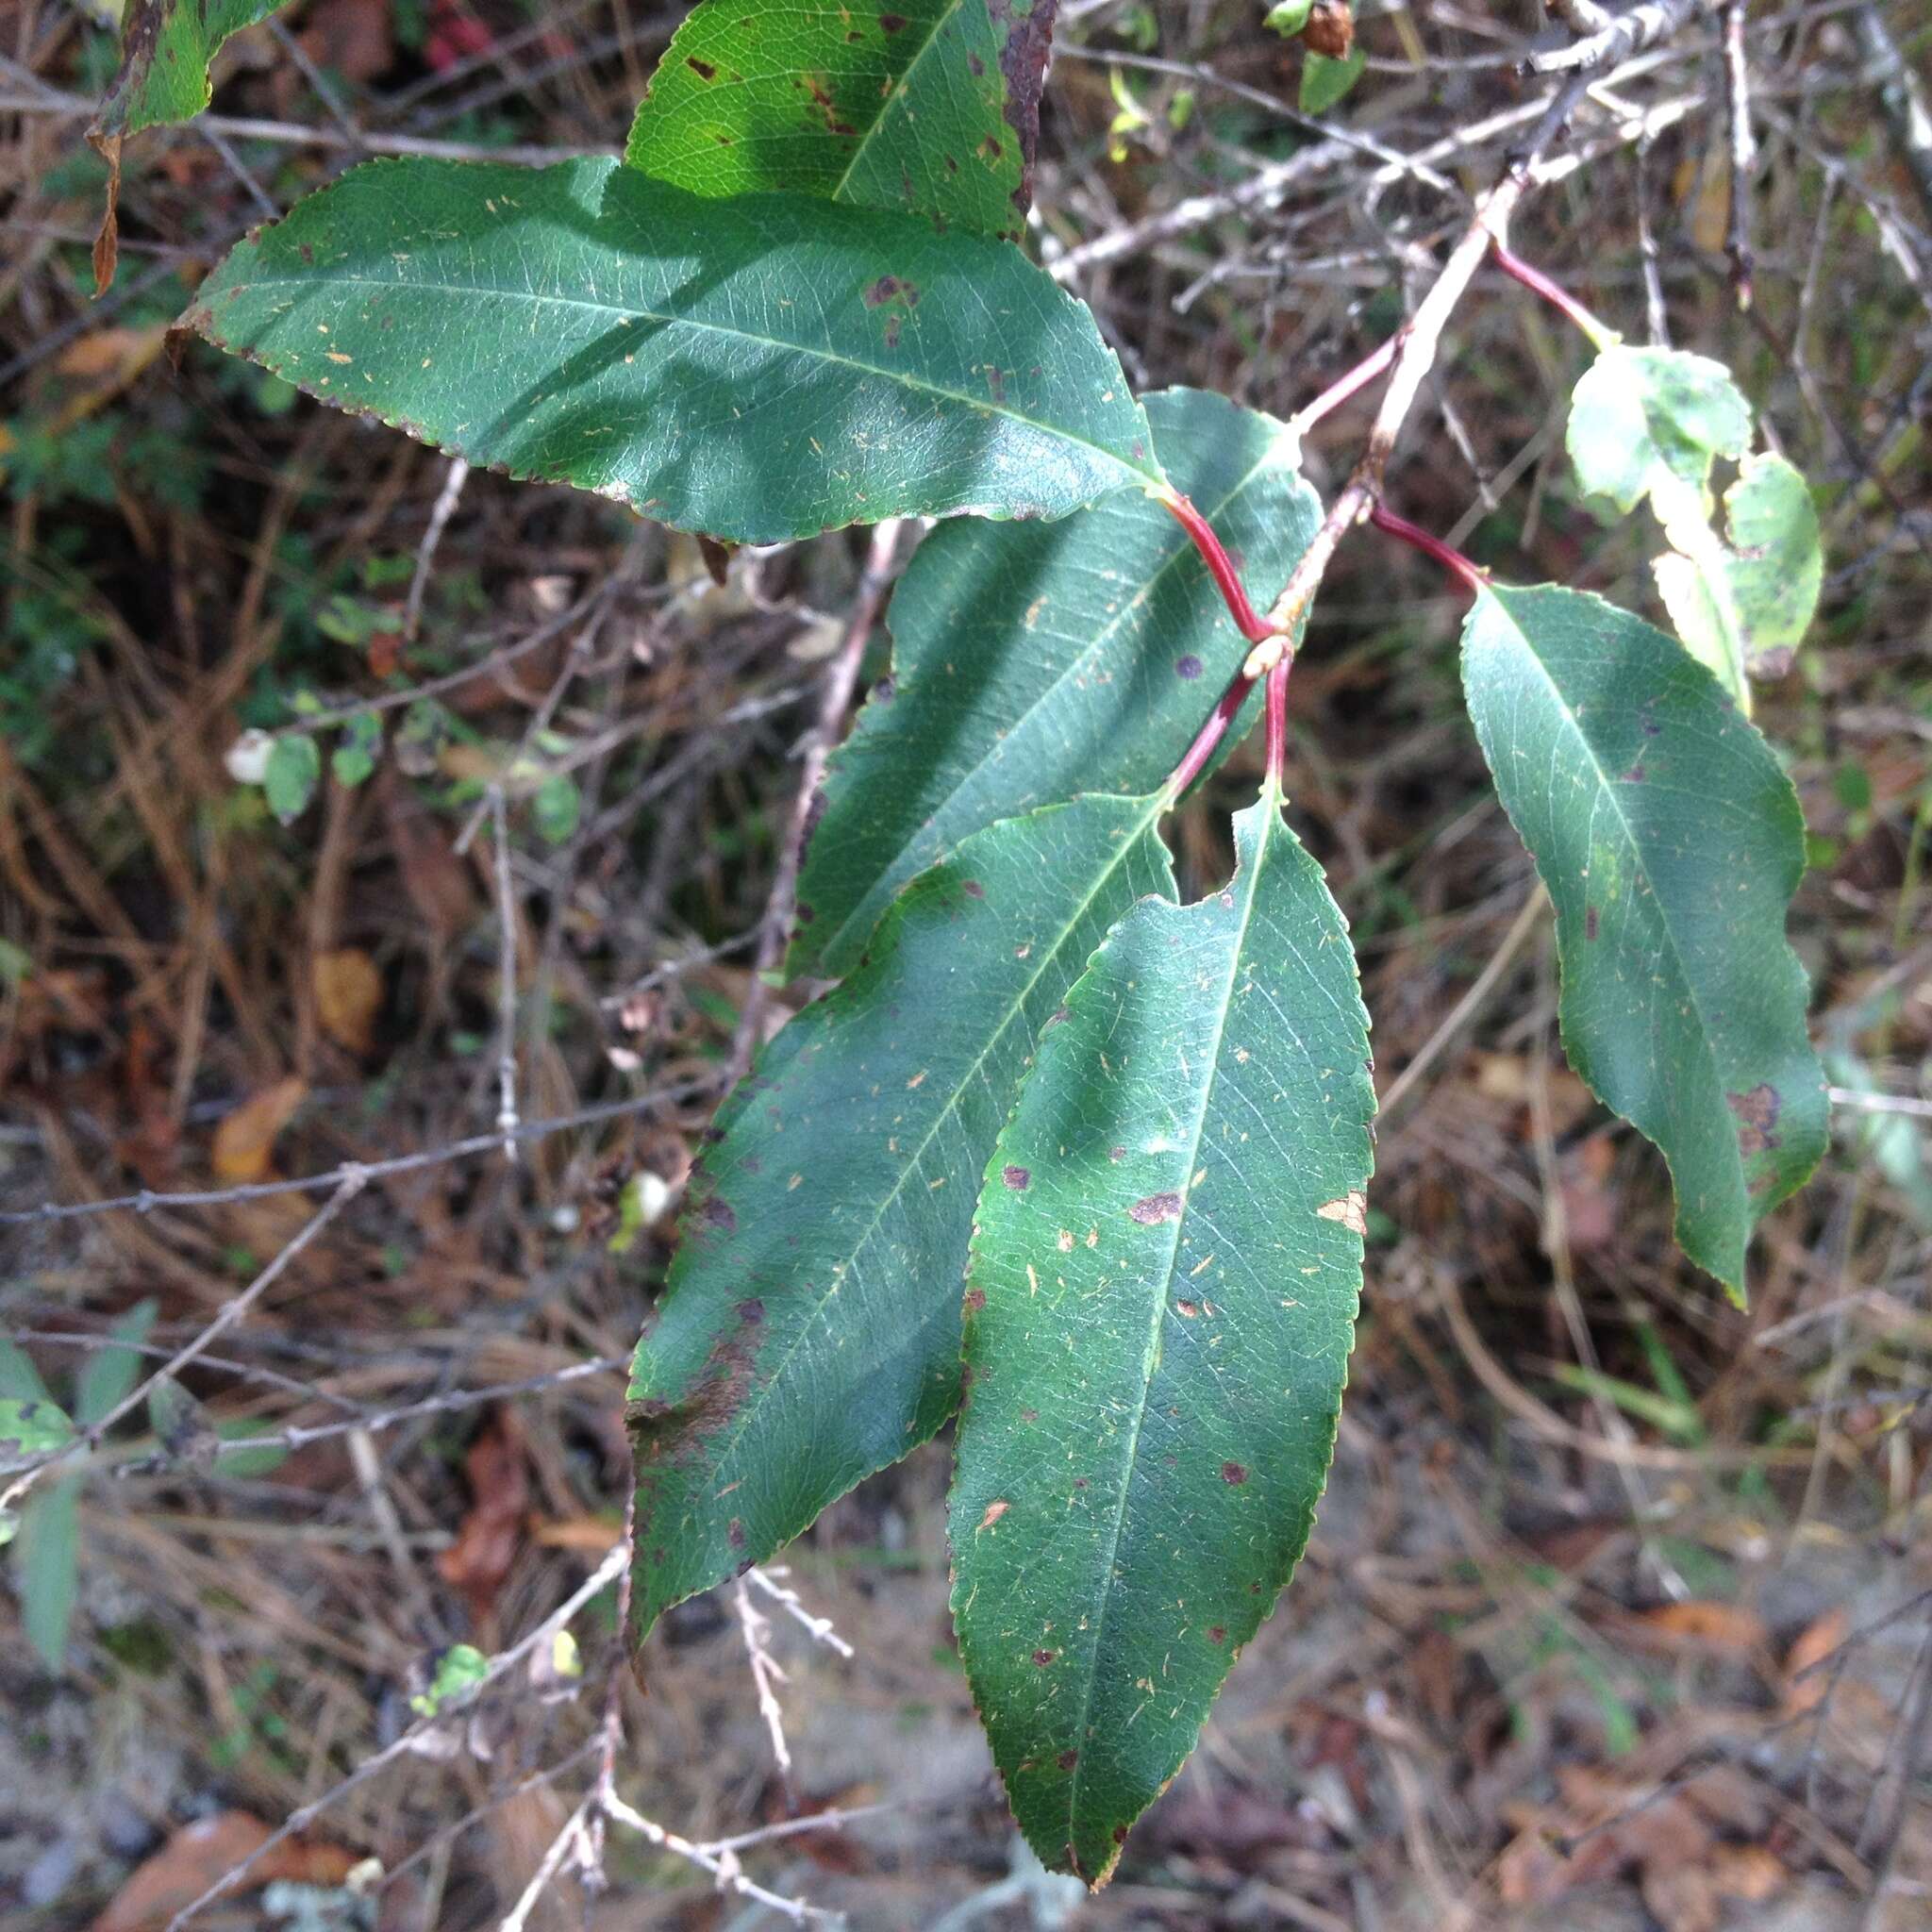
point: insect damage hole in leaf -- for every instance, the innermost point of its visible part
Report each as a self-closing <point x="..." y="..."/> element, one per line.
<point x="1154" y="1405"/>
<point x="1035" y="662"/>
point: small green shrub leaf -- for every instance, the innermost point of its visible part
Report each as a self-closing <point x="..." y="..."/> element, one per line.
<point x="1328" y="81"/>
<point x="1036" y="662"/>
<point x="295" y="769"/>
<point x="1644" y="419"/>
<point x="1159" y="1315"/>
<point x="810" y="1331"/>
<point x="357" y="750"/>
<point x="757" y="369"/>
<point x="930" y="107"/>
<point x="110" y="1371"/>
<point x="458" y="1670"/>
<point x="29" y="1429"/>
<point x="46" y="1565"/>
<point x="167" y="47"/>
<point x="1670" y="843"/>
<point x="1288" y="18"/>
<point x="556" y="805"/>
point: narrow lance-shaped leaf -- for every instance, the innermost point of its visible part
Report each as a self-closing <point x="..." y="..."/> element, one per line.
<point x="759" y="369"/>
<point x="1159" y="1315"/>
<point x="931" y="107"/>
<point x="1671" y="843"/>
<point x="1032" y="663"/>
<point x="810" y="1332"/>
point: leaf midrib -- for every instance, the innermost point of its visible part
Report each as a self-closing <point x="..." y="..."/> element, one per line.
<point x="1271" y="819"/>
<point x="1181" y="552"/>
<point x="1155" y="805"/>
<point x="887" y="106"/>
<point x="1637" y="854"/>
<point x="830" y="357"/>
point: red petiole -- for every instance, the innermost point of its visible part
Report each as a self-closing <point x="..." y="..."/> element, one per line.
<point x="1419" y="538"/>
<point x="1559" y="297"/>
<point x="1220" y="566"/>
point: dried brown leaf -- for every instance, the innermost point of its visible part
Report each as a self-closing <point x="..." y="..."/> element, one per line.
<point x="348" y="997"/>
<point x="246" y="1138"/>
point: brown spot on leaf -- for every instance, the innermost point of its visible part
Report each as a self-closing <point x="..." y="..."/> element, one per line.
<point x="703" y="69"/>
<point x="1044" y="1658"/>
<point x="734" y="1534"/>
<point x="1757" y="1112"/>
<point x="1217" y="1633"/>
<point x="892" y="22"/>
<point x="972" y="888"/>
<point x="1188" y="667"/>
<point x="994" y="1512"/>
<point x="1589" y="922"/>
<point x="1018" y="1178"/>
<point x="976" y="1300"/>
<point x="1233" y="1475"/>
<point x="751" y="1312"/>
<point x="1152" y="1209"/>
<point x="715" y="1211"/>
<point x="1352" y="1210"/>
<point x="1067" y="1759"/>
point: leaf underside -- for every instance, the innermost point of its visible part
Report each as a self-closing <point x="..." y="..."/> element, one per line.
<point x="1670" y="843"/>
<point x="166" y="48"/>
<point x="757" y="369"/>
<point x="810" y="1331"/>
<point x="929" y="107"/>
<point x="1035" y="662"/>
<point x="1158" y="1314"/>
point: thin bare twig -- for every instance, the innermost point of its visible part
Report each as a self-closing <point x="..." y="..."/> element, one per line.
<point x="835" y="701"/>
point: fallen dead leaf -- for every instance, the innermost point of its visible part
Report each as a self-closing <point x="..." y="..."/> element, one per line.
<point x="246" y="1138"/>
<point x="492" y="1531"/>
<point x="348" y="996"/>
<point x="199" y="1853"/>
<point x="1724" y="1626"/>
<point x="1805" y="1683"/>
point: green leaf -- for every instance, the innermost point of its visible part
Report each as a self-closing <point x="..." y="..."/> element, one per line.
<point x="167" y="47"/>
<point x="1159" y="1315"/>
<point x="19" y="1378"/>
<point x="556" y="805"/>
<point x="46" y="1566"/>
<point x="109" y="1372"/>
<point x="1288" y="18"/>
<point x="29" y="1429"/>
<point x="1644" y="419"/>
<point x="459" y="1669"/>
<point x="1327" y="82"/>
<point x="1033" y="663"/>
<point x="1670" y="843"/>
<point x="294" y="768"/>
<point x="357" y="750"/>
<point x="1743" y="612"/>
<point x="757" y="369"/>
<point x="930" y="107"/>
<point x="810" y="1332"/>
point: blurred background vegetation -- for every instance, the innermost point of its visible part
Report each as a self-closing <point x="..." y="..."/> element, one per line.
<point x="1620" y="1612"/>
